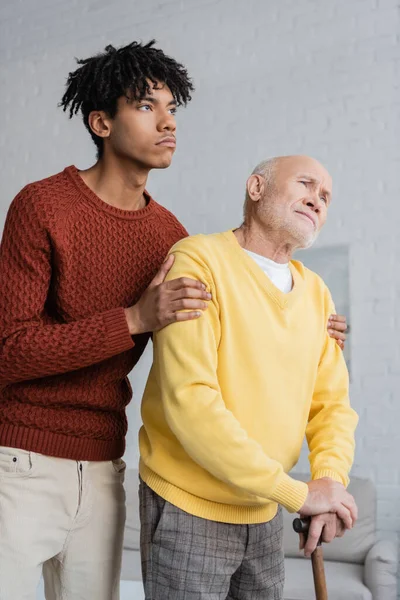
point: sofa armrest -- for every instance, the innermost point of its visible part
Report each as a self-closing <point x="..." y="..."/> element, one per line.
<point x="380" y="570"/>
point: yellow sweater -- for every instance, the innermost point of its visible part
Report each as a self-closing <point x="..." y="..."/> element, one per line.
<point x="231" y="394"/>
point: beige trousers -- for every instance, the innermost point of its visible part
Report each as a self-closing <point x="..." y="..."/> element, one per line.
<point x="64" y="518"/>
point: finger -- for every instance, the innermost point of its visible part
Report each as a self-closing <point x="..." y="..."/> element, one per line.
<point x="188" y="304"/>
<point x="344" y="514"/>
<point x="190" y="292"/>
<point x="340" y="344"/>
<point x="337" y="335"/>
<point x="351" y="505"/>
<point x="185" y="282"/>
<point x="354" y="511"/>
<point x="337" y="325"/>
<point x="340" y="528"/>
<point x="162" y="273"/>
<point x="173" y="317"/>
<point x="314" y="533"/>
<point x="329" y="530"/>
<point x="187" y="316"/>
<point x="339" y="318"/>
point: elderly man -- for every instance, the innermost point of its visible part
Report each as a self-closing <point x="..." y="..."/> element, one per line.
<point x="230" y="397"/>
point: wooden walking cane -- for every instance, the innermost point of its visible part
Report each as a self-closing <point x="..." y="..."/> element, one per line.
<point x="317" y="560"/>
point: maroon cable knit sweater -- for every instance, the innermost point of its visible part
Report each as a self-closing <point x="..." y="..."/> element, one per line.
<point x="69" y="265"/>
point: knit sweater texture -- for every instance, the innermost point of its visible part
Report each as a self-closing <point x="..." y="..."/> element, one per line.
<point x="231" y="394"/>
<point x="69" y="265"/>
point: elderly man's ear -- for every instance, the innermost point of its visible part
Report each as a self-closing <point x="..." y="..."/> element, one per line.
<point x="256" y="187"/>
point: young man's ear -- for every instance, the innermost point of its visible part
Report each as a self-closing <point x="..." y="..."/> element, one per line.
<point x="100" y="123"/>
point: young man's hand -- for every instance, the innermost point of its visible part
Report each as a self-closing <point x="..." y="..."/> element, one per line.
<point x="328" y="496"/>
<point x="326" y="526"/>
<point x="337" y="327"/>
<point x="163" y="302"/>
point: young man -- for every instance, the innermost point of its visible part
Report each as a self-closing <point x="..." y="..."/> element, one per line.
<point x="224" y="418"/>
<point x="77" y="303"/>
<point x="79" y="296"/>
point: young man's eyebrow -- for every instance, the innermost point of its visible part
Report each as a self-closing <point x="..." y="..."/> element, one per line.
<point x="147" y="99"/>
<point x="156" y="101"/>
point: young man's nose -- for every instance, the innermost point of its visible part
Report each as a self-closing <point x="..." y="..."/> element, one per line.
<point x="167" y="123"/>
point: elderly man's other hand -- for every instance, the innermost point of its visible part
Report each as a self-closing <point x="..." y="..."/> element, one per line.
<point x="326" y="526"/>
<point x="337" y="327"/>
<point x="328" y="496"/>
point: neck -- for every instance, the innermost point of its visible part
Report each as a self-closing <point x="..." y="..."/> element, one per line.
<point x="264" y="242"/>
<point x="117" y="183"/>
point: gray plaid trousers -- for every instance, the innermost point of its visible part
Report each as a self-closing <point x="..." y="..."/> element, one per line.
<point x="189" y="558"/>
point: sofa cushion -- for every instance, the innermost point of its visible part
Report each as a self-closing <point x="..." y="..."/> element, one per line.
<point x="381" y="568"/>
<point x="355" y="544"/>
<point x="343" y="580"/>
<point x="132" y="525"/>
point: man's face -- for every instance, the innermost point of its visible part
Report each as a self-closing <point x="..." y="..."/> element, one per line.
<point x="143" y="131"/>
<point x="297" y="200"/>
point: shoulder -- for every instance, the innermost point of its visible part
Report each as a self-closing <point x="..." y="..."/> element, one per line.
<point x="196" y="256"/>
<point x="172" y="228"/>
<point x="200" y="244"/>
<point x="315" y="285"/>
<point x="41" y="199"/>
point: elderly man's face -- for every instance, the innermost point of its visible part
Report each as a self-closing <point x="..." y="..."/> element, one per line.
<point x="297" y="200"/>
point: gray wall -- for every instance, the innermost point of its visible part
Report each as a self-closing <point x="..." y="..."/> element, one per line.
<point x="309" y="76"/>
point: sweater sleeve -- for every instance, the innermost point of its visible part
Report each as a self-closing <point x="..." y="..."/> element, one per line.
<point x="185" y="367"/>
<point x="332" y="421"/>
<point x="30" y="347"/>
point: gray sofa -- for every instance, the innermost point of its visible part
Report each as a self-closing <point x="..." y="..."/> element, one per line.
<point x="357" y="566"/>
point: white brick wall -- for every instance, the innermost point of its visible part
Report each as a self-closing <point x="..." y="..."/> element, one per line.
<point x="306" y="76"/>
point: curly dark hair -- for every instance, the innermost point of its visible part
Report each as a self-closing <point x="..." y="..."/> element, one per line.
<point x="102" y="79"/>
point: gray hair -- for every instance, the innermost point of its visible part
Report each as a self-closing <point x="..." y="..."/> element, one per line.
<point x="266" y="168"/>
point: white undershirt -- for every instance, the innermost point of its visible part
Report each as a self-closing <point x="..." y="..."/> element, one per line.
<point x="278" y="273"/>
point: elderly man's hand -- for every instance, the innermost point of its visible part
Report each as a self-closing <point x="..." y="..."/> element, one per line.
<point x="326" y="495"/>
<point x="337" y="327"/>
<point x="327" y="525"/>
